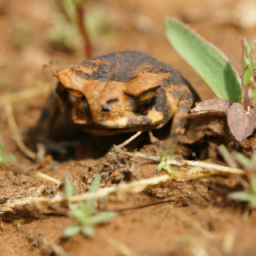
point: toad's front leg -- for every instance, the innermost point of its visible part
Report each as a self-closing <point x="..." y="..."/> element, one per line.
<point x="183" y="99"/>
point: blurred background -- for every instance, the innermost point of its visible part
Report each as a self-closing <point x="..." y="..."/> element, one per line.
<point x="38" y="36"/>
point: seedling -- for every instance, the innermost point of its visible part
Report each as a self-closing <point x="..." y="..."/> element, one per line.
<point x="249" y="164"/>
<point x="163" y="164"/>
<point x="215" y="69"/>
<point x="5" y="158"/>
<point x="73" y="10"/>
<point x="85" y="213"/>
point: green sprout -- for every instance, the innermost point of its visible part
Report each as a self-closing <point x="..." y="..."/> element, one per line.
<point x="249" y="164"/>
<point x="163" y="162"/>
<point x="64" y="35"/>
<point x="5" y="158"/>
<point x="248" y="196"/>
<point x="85" y="213"/>
<point x="248" y="62"/>
<point x="73" y="11"/>
<point x="247" y="70"/>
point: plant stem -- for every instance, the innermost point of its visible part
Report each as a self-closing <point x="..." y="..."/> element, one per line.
<point x="81" y="25"/>
<point x="246" y="97"/>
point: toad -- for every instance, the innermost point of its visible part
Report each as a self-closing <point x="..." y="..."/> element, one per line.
<point x="122" y="92"/>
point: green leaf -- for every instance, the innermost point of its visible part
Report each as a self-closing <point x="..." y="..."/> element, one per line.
<point x="96" y="183"/>
<point x="227" y="156"/>
<point x="243" y="160"/>
<point x="94" y="187"/>
<point x="171" y="152"/>
<point x="212" y="65"/>
<point x="248" y="62"/>
<point x="4" y="158"/>
<point x="67" y="187"/>
<point x="252" y="180"/>
<point x="161" y="166"/>
<point x="88" y="231"/>
<point x="243" y="196"/>
<point x="102" y="217"/>
<point x="70" y="9"/>
<point x="72" y="230"/>
<point x="78" y="215"/>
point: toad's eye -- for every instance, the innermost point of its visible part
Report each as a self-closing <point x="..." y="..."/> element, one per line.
<point x="85" y="104"/>
<point x="75" y="93"/>
<point x="143" y="102"/>
<point x="107" y="106"/>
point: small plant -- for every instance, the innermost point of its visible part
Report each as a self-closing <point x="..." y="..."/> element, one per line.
<point x="64" y="35"/>
<point x="163" y="162"/>
<point x="215" y="69"/>
<point x="73" y="11"/>
<point x="84" y="213"/>
<point x="4" y="158"/>
<point x="249" y="195"/>
<point x="249" y="165"/>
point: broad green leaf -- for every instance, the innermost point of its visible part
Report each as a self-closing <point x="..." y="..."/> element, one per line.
<point x="209" y="62"/>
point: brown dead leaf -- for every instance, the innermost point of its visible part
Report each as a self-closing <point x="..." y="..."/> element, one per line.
<point x="252" y="122"/>
<point x="238" y="121"/>
<point x="212" y="106"/>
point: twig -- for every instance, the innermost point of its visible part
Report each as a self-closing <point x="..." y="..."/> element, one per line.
<point x="132" y="187"/>
<point x="14" y="129"/>
<point x="49" y="178"/>
<point x="129" y="140"/>
<point x="208" y="166"/>
<point x="122" y="248"/>
<point x="24" y="94"/>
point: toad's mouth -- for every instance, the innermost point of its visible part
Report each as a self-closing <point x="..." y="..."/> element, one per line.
<point x="106" y="131"/>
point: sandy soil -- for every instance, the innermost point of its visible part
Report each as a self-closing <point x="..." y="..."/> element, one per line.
<point x="173" y="218"/>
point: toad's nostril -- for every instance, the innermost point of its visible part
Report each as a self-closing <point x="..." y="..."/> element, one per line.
<point x="106" y="108"/>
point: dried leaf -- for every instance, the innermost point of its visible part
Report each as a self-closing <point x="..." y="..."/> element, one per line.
<point x="212" y="106"/>
<point x="252" y="123"/>
<point x="238" y="121"/>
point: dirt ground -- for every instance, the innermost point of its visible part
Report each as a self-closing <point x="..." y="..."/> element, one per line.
<point x="173" y="218"/>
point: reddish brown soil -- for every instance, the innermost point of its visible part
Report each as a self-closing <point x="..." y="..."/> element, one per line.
<point x="175" y="218"/>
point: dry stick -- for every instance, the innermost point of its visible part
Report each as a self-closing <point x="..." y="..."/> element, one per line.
<point x="209" y="166"/>
<point x="24" y="94"/>
<point x="14" y="129"/>
<point x="87" y="43"/>
<point x="122" y="248"/>
<point x="129" y="140"/>
<point x="132" y="187"/>
<point x="49" y="178"/>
